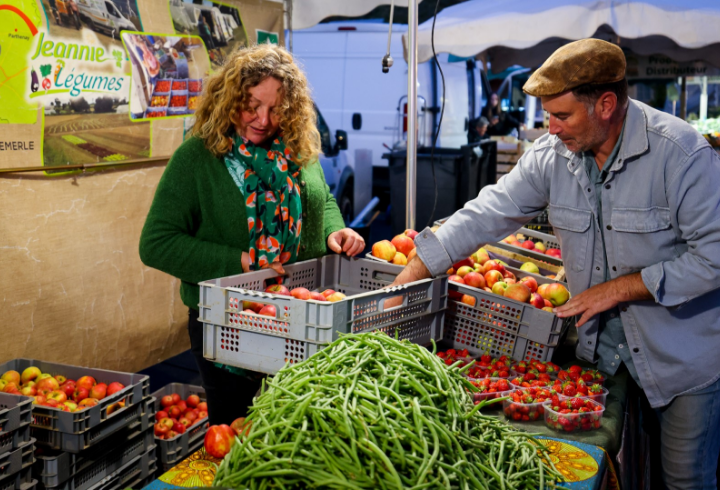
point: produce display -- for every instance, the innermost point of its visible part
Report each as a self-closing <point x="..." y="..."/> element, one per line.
<point x="491" y="389"/>
<point x="178" y="101"/>
<point x="528" y="244"/>
<point x="479" y="271"/>
<point x="219" y="439"/>
<point x="179" y="85"/>
<point x="159" y="101"/>
<point x="195" y="86"/>
<point x="527" y="404"/>
<point x="162" y="113"/>
<point x="577" y="414"/>
<point x="57" y="391"/>
<point x="162" y="86"/>
<point x="369" y="411"/>
<point x="192" y="102"/>
<point x="575" y="373"/>
<point x="177" y="415"/>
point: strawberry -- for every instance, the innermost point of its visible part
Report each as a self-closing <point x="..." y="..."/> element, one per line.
<point x="587" y="377"/>
<point x="451" y="352"/>
<point x="596" y="389"/>
<point x="485" y="358"/>
<point x="577" y="403"/>
<point x="575" y="369"/>
<point x="569" y="390"/>
<point x="464" y="353"/>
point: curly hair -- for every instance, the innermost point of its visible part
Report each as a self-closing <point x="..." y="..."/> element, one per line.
<point x="226" y="96"/>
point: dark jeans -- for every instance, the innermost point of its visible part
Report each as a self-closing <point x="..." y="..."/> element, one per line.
<point x="228" y="395"/>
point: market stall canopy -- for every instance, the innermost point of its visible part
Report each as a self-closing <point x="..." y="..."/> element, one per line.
<point x="526" y="32"/>
<point x="307" y="13"/>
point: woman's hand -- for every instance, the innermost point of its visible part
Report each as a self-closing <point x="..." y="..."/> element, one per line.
<point x="346" y="240"/>
<point x="276" y="266"/>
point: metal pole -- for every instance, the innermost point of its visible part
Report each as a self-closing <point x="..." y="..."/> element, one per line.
<point x="704" y="99"/>
<point x="289" y="12"/>
<point x="683" y="98"/>
<point x="412" y="135"/>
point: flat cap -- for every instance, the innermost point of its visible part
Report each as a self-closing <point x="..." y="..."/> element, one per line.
<point x="588" y="61"/>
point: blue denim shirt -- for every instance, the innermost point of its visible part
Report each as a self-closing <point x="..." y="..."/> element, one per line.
<point x="661" y="212"/>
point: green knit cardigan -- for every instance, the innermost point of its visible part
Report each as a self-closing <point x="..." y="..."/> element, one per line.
<point x="197" y="228"/>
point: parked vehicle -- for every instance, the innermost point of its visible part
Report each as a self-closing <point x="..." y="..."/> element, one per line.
<point x="342" y="61"/>
<point x="102" y="15"/>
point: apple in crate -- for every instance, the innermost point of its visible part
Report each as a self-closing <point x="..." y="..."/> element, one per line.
<point x="11" y="388"/>
<point x="72" y="406"/>
<point x="278" y="289"/>
<point x="28" y="391"/>
<point x="528" y="244"/>
<point x="99" y="391"/>
<point x="11" y="377"/>
<point x="411" y="234"/>
<point x="493" y="276"/>
<point x="80" y="394"/>
<point x="530" y="282"/>
<point x="403" y="244"/>
<point x="493" y="265"/>
<point x="475" y="280"/>
<point x="47" y="384"/>
<point x="314" y="295"/>
<point x="557" y="294"/>
<point x="518" y="292"/>
<point x="530" y="267"/>
<point x="553" y="252"/>
<point x="88" y="402"/>
<point x="30" y="374"/>
<point x="537" y="301"/>
<point x="468" y="300"/>
<point x="456" y="278"/>
<point x="114" y="387"/>
<point x="399" y="259"/>
<point x="86" y="382"/>
<point x="328" y="292"/>
<point x="58" y="396"/>
<point x="540" y="247"/>
<point x="481" y="256"/>
<point x="384" y="250"/>
<point x="499" y="288"/>
<point x="335" y="297"/>
<point x="300" y="293"/>
<point x="268" y="310"/>
<point x="464" y="271"/>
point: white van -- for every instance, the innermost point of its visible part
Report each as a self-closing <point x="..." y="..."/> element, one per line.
<point x="103" y="15"/>
<point x="343" y="63"/>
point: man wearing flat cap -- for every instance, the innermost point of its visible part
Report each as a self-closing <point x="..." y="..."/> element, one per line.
<point x="634" y="197"/>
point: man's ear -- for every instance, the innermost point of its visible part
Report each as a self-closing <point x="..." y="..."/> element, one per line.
<point x="606" y="105"/>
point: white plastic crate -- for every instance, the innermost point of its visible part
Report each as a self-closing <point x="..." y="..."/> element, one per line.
<point x="301" y="328"/>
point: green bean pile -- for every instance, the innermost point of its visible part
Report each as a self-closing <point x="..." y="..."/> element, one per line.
<point x="371" y="412"/>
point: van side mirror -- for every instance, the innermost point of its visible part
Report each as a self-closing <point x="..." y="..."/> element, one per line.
<point x="340" y="140"/>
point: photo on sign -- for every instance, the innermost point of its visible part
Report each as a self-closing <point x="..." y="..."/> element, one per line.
<point x="83" y="84"/>
<point x="217" y="24"/>
<point x="106" y="19"/>
<point x="167" y="74"/>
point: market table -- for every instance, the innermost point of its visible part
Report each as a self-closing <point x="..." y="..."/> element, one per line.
<point x="583" y="464"/>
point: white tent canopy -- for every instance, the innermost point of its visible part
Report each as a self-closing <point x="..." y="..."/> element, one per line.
<point x="307" y="13"/>
<point x="526" y="32"/>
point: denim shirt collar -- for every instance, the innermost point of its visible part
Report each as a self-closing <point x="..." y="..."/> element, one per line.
<point x="634" y="140"/>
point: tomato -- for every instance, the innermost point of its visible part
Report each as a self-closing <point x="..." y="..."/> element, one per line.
<point x="218" y="440"/>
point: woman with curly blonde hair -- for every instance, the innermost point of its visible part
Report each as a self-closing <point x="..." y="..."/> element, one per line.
<point x="244" y="192"/>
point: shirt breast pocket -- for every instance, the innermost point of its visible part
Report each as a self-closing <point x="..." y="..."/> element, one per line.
<point x="571" y="226"/>
<point x="644" y="236"/>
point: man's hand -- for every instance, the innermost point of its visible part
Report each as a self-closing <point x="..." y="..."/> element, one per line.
<point x="346" y="240"/>
<point x="603" y="297"/>
<point x="414" y="271"/>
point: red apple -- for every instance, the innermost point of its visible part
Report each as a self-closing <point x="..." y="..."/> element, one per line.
<point x="411" y="234"/>
<point x="547" y="303"/>
<point x="554" y="252"/>
<point x="541" y="290"/>
<point x="182" y="405"/>
<point x="193" y="401"/>
<point x="39" y="400"/>
<point x="114" y="387"/>
<point x="557" y="294"/>
<point x="86" y="382"/>
<point x="335" y="297"/>
<point x="548" y="308"/>
<point x="468" y="300"/>
<point x="190" y="415"/>
<point x="328" y="292"/>
<point x="300" y="293"/>
<point x="60" y="378"/>
<point x="58" y="396"/>
<point x="202" y="406"/>
<point x="11" y="377"/>
<point x="456" y="278"/>
<point x="51" y="403"/>
<point x="47" y="384"/>
<point x="160" y="430"/>
<point x="384" y="250"/>
<point x="176" y="398"/>
<point x="518" y="292"/>
<point x="202" y="414"/>
<point x="99" y="391"/>
<point x="28" y="391"/>
<point x="88" y="402"/>
<point x="252" y="305"/>
<point x="268" y="310"/>
<point x="179" y="427"/>
<point x="475" y="280"/>
<point x="492" y="265"/>
<point x="531" y="283"/>
<point x="241" y="426"/>
<point x="492" y="276"/>
<point x="68" y="387"/>
<point x="166" y="401"/>
<point x="174" y="412"/>
<point x="80" y="394"/>
<point x="278" y="289"/>
<point x="10" y="387"/>
<point x="528" y="244"/>
<point x="509" y="275"/>
<point x="161" y="415"/>
<point x="537" y="301"/>
<point x="167" y="422"/>
<point x="403" y="244"/>
<point x="314" y="295"/>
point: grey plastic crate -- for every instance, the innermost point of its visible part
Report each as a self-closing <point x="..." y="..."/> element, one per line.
<point x="264" y="344"/>
<point x="16" y="460"/>
<point x="170" y="464"/>
<point x="172" y="451"/>
<point x="137" y="387"/>
<point x="15" y="438"/>
<point x="77" y="471"/>
<point x="75" y="443"/>
<point x="142" y="468"/>
<point x="550" y="241"/>
<point x="502" y="326"/>
<point x="22" y="480"/>
<point x="15" y="411"/>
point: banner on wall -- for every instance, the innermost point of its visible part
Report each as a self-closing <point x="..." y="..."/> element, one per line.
<point x="70" y="91"/>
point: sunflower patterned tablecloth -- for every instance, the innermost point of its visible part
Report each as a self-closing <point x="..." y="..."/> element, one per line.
<point x="583" y="465"/>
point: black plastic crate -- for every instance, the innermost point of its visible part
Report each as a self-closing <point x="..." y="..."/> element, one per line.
<point x="22" y="480"/>
<point x="137" y="387"/>
<point x="141" y="469"/>
<point x="172" y="451"/>
<point x="75" y="443"/>
<point x="77" y="471"/>
<point x="195" y="446"/>
<point x="15" y="438"/>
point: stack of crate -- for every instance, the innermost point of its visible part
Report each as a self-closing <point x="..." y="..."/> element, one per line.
<point x="16" y="446"/>
<point x="109" y="446"/>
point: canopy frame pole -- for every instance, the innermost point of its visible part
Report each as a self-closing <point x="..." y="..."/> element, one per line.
<point x="289" y="13"/>
<point x="683" y="98"/>
<point x="412" y="134"/>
